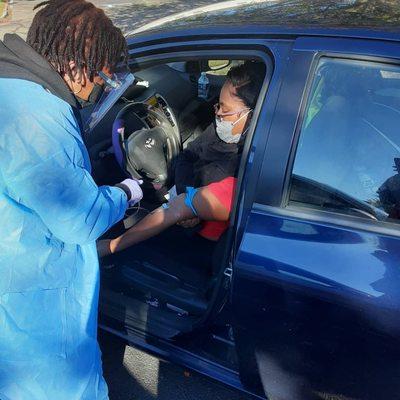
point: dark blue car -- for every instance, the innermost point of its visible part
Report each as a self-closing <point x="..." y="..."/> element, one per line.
<point x="302" y="299"/>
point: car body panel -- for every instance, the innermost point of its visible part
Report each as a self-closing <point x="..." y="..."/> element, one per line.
<point x="314" y="295"/>
<point x="319" y="305"/>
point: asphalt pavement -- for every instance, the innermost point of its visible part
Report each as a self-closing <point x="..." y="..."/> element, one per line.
<point x="134" y="375"/>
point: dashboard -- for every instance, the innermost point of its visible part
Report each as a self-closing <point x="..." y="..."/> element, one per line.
<point x="158" y="103"/>
<point x="170" y="91"/>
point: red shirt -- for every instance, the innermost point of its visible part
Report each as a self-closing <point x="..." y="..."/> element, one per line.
<point x="224" y="191"/>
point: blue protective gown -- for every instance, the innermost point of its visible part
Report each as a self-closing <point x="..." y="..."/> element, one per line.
<point x="51" y="214"/>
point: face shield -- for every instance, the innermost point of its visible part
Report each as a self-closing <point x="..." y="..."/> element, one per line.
<point x="114" y="88"/>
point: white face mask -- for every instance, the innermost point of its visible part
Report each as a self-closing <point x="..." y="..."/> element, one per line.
<point x="224" y="129"/>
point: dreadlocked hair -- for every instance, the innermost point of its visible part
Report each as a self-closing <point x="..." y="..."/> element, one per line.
<point x="76" y="30"/>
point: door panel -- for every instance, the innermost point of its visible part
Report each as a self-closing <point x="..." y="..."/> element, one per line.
<point x="319" y="306"/>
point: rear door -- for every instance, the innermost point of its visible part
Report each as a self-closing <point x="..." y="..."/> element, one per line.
<point x="316" y="277"/>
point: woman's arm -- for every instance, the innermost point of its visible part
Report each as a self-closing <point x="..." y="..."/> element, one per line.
<point x="207" y="206"/>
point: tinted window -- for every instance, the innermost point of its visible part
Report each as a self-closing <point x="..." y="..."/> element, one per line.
<point x="348" y="154"/>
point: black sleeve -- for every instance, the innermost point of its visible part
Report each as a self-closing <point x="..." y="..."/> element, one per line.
<point x="185" y="173"/>
<point x="184" y="164"/>
<point x="213" y="173"/>
<point x="184" y="170"/>
<point x="125" y="189"/>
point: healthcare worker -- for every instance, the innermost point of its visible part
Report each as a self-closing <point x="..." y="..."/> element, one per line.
<point x="51" y="210"/>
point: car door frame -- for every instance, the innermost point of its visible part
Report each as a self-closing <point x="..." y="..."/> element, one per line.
<point x="144" y="50"/>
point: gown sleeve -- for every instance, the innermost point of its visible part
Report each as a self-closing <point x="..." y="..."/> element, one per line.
<point x="49" y="175"/>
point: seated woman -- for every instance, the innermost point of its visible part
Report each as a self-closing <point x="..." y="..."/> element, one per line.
<point x="205" y="174"/>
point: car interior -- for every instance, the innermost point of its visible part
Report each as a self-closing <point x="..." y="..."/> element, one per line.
<point x="161" y="286"/>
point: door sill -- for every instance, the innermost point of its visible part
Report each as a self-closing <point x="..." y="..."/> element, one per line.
<point x="168" y="351"/>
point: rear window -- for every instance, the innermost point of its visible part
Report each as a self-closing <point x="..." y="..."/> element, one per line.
<point x="348" y="154"/>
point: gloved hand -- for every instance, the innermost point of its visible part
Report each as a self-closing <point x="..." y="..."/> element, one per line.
<point x="132" y="189"/>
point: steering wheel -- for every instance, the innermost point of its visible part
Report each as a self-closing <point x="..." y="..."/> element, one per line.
<point x="145" y="143"/>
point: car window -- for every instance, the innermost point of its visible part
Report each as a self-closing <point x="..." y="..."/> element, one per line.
<point x="221" y="67"/>
<point x="348" y="154"/>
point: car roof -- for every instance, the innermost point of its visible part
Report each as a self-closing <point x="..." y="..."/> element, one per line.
<point x="379" y="19"/>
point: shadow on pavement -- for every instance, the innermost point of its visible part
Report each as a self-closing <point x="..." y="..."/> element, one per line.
<point x="134" y="375"/>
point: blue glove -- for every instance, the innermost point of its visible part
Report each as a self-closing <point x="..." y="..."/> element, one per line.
<point x="132" y="189"/>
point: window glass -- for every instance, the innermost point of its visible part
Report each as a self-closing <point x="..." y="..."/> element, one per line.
<point x="348" y="154"/>
<point x="221" y="67"/>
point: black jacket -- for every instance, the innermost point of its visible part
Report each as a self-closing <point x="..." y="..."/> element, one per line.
<point x="206" y="160"/>
<point x="18" y="60"/>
